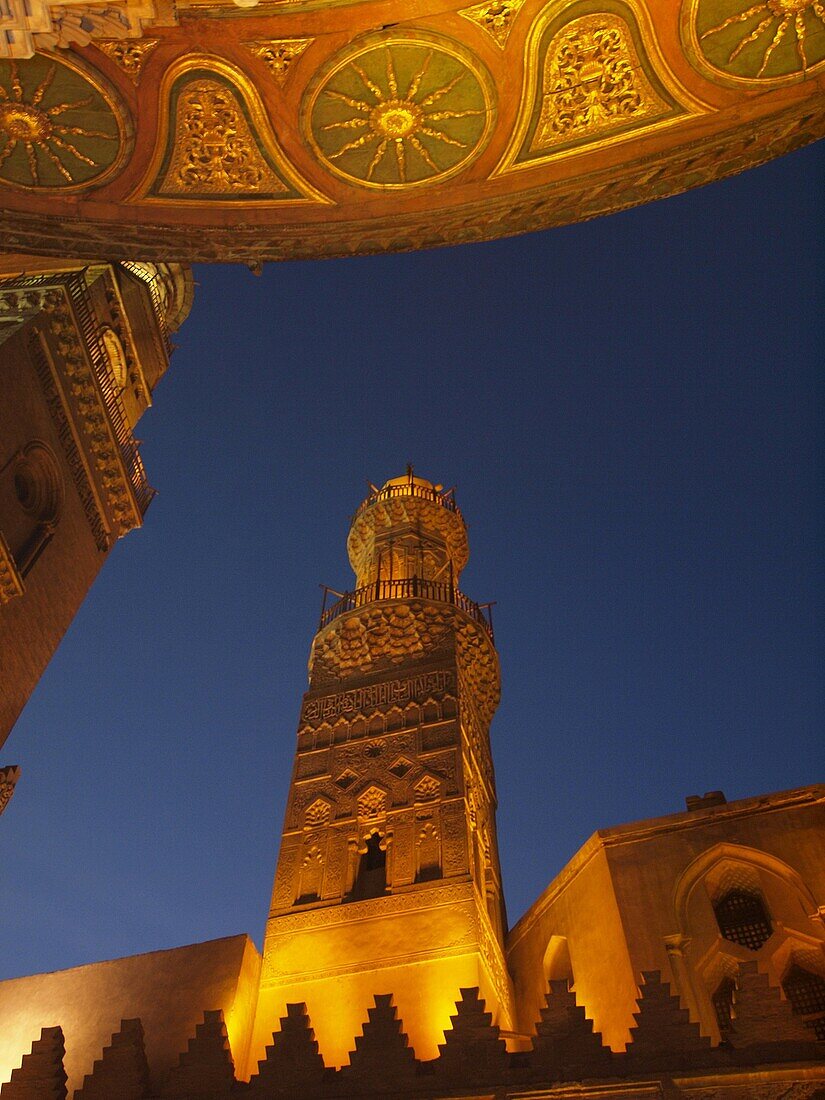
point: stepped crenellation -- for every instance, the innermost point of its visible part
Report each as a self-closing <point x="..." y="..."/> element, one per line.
<point x="665" y="1045"/>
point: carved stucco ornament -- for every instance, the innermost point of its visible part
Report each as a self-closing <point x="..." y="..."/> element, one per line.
<point x="594" y="76"/>
<point x="317" y="814"/>
<point x="60" y="127"/>
<point x="496" y="18"/>
<point x="755" y="41"/>
<point x="400" y="112"/>
<point x="129" y="54"/>
<point x="372" y="803"/>
<point x="278" y="54"/>
<point x="215" y="142"/>
<point x="11" y="582"/>
<point x="8" y="780"/>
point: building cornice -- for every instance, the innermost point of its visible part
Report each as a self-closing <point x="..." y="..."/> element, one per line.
<point x="638" y="831"/>
<point x="83" y="398"/>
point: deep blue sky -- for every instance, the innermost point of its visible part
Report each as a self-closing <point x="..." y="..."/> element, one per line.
<point x="632" y="412"/>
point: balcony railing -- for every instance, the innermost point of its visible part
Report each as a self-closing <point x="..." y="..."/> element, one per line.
<point x="407" y="588"/>
<point x="127" y="444"/>
<point x="411" y="488"/>
<point x="153" y="283"/>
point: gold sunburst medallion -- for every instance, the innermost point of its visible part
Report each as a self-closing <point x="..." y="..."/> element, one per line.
<point x="57" y="129"/>
<point x="769" y="40"/>
<point x="400" y="113"/>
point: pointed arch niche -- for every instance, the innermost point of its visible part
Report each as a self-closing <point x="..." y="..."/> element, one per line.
<point x="556" y="964"/>
<point x="735" y="904"/>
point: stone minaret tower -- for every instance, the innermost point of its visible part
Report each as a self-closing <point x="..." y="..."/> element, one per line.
<point x="388" y="877"/>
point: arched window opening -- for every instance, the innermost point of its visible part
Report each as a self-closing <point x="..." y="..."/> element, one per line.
<point x="429" y="854"/>
<point x="743" y="918"/>
<point x="806" y="993"/>
<point x="556" y="964"/>
<point x="312" y="870"/>
<point x="371" y="880"/>
<point x="723" y="1005"/>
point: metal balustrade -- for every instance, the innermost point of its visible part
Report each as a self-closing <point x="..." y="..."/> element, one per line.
<point x="406" y="588"/>
<point x="104" y="375"/>
<point x="411" y="488"/>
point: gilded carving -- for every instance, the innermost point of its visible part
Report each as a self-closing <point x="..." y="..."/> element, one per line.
<point x="278" y="54"/>
<point x="727" y="148"/>
<point x="400" y="112"/>
<point x="216" y="143"/>
<point x="496" y="18"/>
<point x="593" y="77"/>
<point x="215" y="152"/>
<point x="8" y="780"/>
<point x="592" y="83"/>
<point x="58" y="129"/>
<point x="770" y="41"/>
<point x="11" y="583"/>
<point x="129" y="54"/>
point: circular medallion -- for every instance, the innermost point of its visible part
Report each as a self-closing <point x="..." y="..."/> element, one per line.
<point x="774" y="41"/>
<point x="400" y="112"/>
<point x="58" y="129"/>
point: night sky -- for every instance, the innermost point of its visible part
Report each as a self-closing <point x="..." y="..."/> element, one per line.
<point x="631" y="411"/>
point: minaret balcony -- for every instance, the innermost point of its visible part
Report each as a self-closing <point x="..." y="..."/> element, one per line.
<point x="410" y="487"/>
<point x="406" y="588"/>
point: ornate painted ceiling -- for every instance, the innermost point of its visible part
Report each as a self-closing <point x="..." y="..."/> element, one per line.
<point x="302" y="128"/>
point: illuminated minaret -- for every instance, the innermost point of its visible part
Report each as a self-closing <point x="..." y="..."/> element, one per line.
<point x="388" y="876"/>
